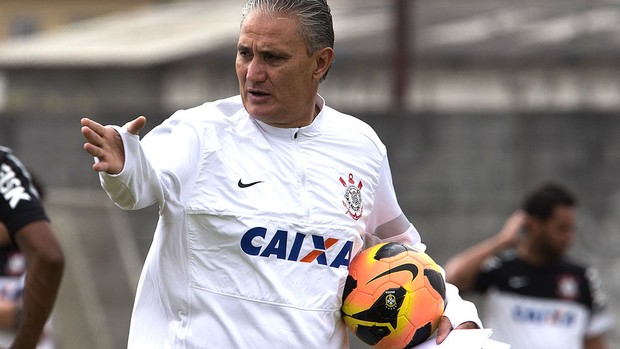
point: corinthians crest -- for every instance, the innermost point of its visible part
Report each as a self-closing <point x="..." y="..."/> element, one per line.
<point x="353" y="197"/>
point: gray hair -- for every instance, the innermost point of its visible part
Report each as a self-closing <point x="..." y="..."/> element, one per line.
<point x="314" y="16"/>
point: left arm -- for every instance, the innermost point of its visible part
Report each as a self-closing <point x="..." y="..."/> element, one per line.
<point x="601" y="320"/>
<point x="388" y="223"/>
<point x="597" y="342"/>
<point x="459" y="314"/>
<point x="8" y="308"/>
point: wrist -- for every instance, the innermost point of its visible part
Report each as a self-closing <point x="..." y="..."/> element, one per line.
<point x="501" y="242"/>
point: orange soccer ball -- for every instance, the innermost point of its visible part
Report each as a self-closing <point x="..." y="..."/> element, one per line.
<point x="394" y="296"/>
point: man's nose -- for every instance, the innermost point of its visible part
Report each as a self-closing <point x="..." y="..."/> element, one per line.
<point x="256" y="71"/>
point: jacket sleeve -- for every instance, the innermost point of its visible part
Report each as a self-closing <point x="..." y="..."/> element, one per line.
<point x="160" y="168"/>
<point x="137" y="185"/>
<point x="459" y="310"/>
<point x="387" y="223"/>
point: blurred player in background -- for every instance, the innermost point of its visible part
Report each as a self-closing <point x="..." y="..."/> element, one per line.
<point x="535" y="297"/>
<point x="264" y="198"/>
<point x="31" y="260"/>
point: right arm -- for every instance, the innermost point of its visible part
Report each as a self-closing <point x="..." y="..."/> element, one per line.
<point x="463" y="268"/>
<point x="388" y="224"/>
<point x="121" y="163"/>
<point x="137" y="173"/>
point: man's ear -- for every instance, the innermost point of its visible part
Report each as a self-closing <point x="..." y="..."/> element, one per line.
<point x="324" y="58"/>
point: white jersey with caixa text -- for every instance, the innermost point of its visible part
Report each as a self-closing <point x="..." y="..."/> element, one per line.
<point x="257" y="227"/>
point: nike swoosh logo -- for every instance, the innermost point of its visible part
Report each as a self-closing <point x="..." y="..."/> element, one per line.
<point x="412" y="268"/>
<point x="245" y="185"/>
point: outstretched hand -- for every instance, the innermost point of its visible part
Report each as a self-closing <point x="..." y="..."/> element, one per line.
<point x="445" y="326"/>
<point x="106" y="144"/>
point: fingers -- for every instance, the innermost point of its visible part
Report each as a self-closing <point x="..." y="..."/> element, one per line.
<point x="92" y="150"/>
<point x="105" y="144"/>
<point x="469" y="325"/>
<point x="444" y="328"/>
<point x="516" y="220"/>
<point x="95" y="135"/>
<point x="92" y="138"/>
<point x="97" y="129"/>
<point x="135" y="125"/>
<point x="509" y="235"/>
<point x="94" y="126"/>
<point x="101" y="166"/>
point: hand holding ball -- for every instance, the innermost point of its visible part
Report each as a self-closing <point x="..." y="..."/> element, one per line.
<point x="394" y="296"/>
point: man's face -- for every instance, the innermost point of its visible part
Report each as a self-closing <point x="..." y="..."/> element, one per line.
<point x="554" y="236"/>
<point x="278" y="80"/>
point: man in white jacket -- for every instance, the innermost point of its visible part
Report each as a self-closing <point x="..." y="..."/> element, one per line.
<point x="264" y="199"/>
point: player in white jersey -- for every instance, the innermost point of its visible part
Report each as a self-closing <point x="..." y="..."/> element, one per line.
<point x="534" y="296"/>
<point x="264" y="198"/>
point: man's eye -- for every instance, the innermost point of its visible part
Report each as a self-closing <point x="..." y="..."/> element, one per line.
<point x="270" y="57"/>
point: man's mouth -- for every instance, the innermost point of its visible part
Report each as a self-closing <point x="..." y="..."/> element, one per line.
<point x="257" y="93"/>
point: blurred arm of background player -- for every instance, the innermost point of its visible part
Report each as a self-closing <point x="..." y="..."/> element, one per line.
<point x="44" y="272"/>
<point x="8" y="308"/>
<point x="462" y="269"/>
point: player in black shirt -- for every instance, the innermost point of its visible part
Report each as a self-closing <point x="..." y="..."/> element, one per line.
<point x="25" y="231"/>
<point x="535" y="297"/>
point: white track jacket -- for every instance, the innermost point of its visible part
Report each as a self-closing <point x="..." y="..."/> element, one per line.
<point x="256" y="228"/>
